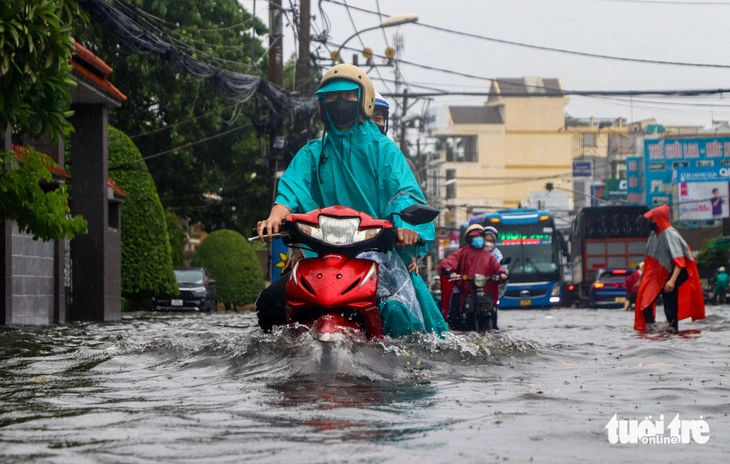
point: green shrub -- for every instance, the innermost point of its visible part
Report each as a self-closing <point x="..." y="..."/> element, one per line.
<point x="233" y="264"/>
<point x="714" y="254"/>
<point x="177" y="239"/>
<point x="146" y="251"/>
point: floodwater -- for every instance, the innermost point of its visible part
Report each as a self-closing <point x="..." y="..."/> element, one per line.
<point x="205" y="388"/>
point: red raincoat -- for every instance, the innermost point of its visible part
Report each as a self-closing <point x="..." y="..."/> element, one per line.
<point x="469" y="261"/>
<point x="666" y="249"/>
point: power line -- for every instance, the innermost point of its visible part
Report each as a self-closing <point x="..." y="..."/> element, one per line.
<point x="224" y="28"/>
<point x="583" y="93"/>
<point x="665" y="2"/>
<point x="175" y="124"/>
<point x="188" y="145"/>
<point x="549" y="49"/>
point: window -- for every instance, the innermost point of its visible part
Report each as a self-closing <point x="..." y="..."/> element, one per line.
<point x="114" y="215"/>
<point x="590" y="140"/>
<point x="450" y="183"/>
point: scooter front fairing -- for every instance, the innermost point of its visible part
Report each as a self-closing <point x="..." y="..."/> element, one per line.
<point x="343" y="289"/>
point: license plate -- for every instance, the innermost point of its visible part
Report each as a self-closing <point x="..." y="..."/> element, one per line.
<point x="620" y="299"/>
<point x="526" y="303"/>
<point x="176" y="302"/>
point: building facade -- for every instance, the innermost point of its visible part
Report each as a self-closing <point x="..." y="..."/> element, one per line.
<point x="502" y="153"/>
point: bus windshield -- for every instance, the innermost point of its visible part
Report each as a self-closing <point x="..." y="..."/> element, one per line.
<point x="534" y="250"/>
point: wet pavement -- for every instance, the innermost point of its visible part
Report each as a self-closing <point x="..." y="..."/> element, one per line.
<point x="160" y="387"/>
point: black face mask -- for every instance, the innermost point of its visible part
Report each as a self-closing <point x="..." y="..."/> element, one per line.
<point x="653" y="226"/>
<point x="342" y="112"/>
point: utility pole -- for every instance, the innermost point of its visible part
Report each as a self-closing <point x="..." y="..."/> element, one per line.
<point x="403" y="125"/>
<point x="303" y="78"/>
<point x="275" y="76"/>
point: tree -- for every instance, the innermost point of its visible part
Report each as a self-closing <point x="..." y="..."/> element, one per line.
<point x="233" y="264"/>
<point x="35" y="47"/>
<point x="715" y="253"/>
<point x="146" y="251"/>
<point x="168" y="108"/>
<point x="177" y="238"/>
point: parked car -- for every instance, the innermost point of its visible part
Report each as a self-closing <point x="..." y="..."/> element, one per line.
<point x="609" y="288"/>
<point x="197" y="291"/>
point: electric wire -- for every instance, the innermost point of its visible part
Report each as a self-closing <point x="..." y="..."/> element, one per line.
<point x="544" y="48"/>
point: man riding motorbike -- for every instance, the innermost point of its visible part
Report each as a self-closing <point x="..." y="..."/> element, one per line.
<point x="355" y="165"/>
<point x="470" y="260"/>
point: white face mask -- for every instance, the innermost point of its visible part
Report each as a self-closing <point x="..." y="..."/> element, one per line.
<point x="489" y="246"/>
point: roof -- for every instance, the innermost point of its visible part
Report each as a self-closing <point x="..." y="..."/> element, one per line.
<point x="527" y="87"/>
<point x="476" y="114"/>
<point x="21" y="151"/>
<point x="93" y="69"/>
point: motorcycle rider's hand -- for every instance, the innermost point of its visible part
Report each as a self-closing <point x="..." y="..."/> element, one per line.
<point x="407" y="237"/>
<point x="453" y="275"/>
<point x="271" y="225"/>
<point x="503" y="276"/>
<point x="296" y="256"/>
<point x="413" y="266"/>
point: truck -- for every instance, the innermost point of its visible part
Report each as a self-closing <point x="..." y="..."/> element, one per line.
<point x="606" y="237"/>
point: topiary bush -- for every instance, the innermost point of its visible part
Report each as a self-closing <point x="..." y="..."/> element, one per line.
<point x="233" y="264"/>
<point x="146" y="251"/>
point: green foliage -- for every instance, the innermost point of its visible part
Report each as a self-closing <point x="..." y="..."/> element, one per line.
<point x="713" y="255"/>
<point x="35" y="46"/>
<point x="24" y="200"/>
<point x="233" y="264"/>
<point x="161" y="95"/>
<point x="177" y="239"/>
<point x="146" y="253"/>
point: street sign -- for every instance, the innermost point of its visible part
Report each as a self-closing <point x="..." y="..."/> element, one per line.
<point x="583" y="169"/>
<point x="616" y="189"/>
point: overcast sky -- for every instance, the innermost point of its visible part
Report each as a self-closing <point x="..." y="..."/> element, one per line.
<point x="690" y="31"/>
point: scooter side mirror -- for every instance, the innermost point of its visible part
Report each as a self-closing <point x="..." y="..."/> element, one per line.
<point x="418" y="214"/>
<point x="505" y="260"/>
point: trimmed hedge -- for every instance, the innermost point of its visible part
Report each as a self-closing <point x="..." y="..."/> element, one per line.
<point x="146" y="251"/>
<point x="233" y="264"/>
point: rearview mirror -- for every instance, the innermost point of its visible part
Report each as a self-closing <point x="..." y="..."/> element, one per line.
<point x="505" y="260"/>
<point x="418" y="214"/>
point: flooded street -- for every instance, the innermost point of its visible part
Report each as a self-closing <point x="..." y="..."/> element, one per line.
<point x="212" y="388"/>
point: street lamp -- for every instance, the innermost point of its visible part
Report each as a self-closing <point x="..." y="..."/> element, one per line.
<point x="392" y="21"/>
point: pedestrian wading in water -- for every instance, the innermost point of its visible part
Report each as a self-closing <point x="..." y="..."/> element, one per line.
<point x="670" y="271"/>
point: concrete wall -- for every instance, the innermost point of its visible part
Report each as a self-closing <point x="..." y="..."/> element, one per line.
<point x="33" y="278"/>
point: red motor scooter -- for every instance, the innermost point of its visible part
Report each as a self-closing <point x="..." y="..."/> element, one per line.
<point x="335" y="293"/>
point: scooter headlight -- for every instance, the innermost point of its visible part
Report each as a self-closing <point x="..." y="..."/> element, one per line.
<point x="336" y="231"/>
<point x="480" y="280"/>
<point x="312" y="231"/>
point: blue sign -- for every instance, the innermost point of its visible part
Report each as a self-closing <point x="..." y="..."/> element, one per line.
<point x="653" y="176"/>
<point x="583" y="169"/>
<point x="279" y="258"/>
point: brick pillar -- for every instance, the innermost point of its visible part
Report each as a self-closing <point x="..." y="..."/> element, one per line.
<point x="6" y="249"/>
<point x="96" y="256"/>
<point x="56" y="151"/>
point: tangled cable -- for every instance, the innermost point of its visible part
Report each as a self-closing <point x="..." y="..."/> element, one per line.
<point x="235" y="86"/>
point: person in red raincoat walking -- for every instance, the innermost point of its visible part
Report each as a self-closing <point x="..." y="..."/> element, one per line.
<point x="669" y="270"/>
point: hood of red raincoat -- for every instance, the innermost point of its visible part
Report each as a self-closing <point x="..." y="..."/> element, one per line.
<point x="660" y="215"/>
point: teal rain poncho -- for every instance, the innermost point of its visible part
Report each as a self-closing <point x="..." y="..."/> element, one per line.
<point x="364" y="170"/>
